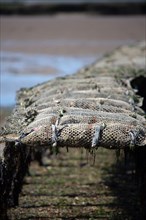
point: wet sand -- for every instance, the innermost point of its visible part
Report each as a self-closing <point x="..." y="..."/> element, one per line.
<point x="75" y="34"/>
<point x="36" y="47"/>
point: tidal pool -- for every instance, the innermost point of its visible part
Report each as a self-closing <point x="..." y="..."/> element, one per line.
<point x="25" y="70"/>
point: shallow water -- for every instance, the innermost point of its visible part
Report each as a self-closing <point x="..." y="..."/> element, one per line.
<point x="25" y="70"/>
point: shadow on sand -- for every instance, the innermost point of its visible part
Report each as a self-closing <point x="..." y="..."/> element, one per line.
<point x="126" y="181"/>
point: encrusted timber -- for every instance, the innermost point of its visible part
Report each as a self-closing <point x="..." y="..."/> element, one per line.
<point x="14" y="161"/>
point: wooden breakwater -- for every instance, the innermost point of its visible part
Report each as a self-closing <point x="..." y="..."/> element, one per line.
<point x="95" y="107"/>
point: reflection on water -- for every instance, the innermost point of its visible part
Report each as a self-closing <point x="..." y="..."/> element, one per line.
<point x="23" y="70"/>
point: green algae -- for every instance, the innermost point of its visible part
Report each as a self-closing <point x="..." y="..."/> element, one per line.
<point x="77" y="191"/>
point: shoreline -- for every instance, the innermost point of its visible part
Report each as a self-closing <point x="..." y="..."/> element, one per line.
<point x="67" y="29"/>
<point x="74" y="37"/>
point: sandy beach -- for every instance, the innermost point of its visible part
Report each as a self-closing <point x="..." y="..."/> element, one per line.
<point x="39" y="48"/>
<point x="75" y="34"/>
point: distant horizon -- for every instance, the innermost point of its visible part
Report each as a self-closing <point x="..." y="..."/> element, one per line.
<point x="9" y="7"/>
